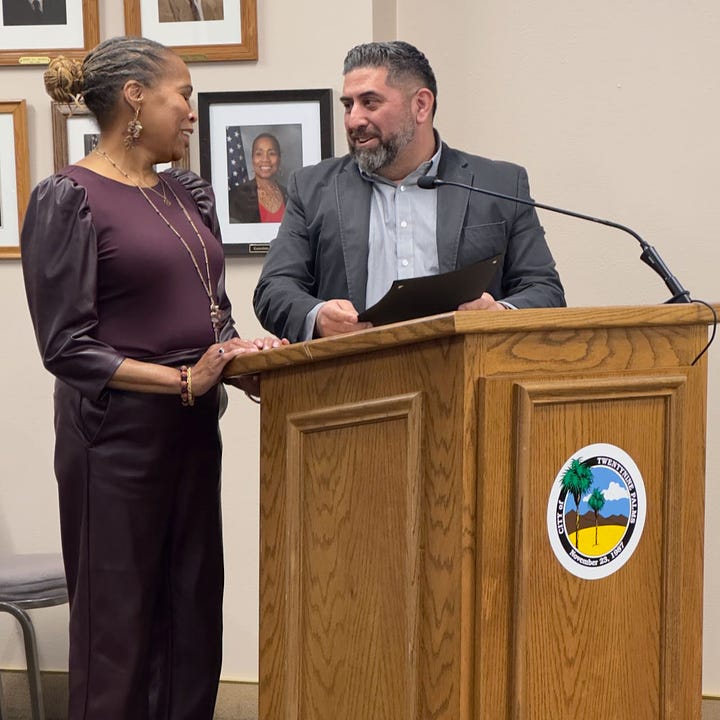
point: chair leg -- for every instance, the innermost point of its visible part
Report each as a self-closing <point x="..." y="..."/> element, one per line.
<point x="31" y="655"/>
<point x="2" y="702"/>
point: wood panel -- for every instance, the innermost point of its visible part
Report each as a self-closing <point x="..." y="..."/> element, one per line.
<point x="594" y="647"/>
<point x="352" y="620"/>
<point x="373" y="449"/>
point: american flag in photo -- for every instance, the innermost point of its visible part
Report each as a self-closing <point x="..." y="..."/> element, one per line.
<point x="236" y="163"/>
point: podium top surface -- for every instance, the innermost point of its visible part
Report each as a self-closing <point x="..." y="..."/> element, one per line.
<point x="469" y="322"/>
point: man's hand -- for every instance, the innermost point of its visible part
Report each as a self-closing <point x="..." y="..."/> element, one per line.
<point x="336" y="317"/>
<point x="485" y="302"/>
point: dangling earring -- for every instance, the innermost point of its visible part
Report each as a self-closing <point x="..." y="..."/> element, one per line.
<point x="134" y="129"/>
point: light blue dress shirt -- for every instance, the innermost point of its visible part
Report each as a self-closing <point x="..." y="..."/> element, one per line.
<point x="403" y="233"/>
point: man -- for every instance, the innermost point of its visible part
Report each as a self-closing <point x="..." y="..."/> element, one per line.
<point x="354" y="224"/>
<point x="34" y="12"/>
<point x="189" y="10"/>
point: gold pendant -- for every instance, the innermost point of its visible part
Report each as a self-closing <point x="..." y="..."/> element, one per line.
<point x="215" y="318"/>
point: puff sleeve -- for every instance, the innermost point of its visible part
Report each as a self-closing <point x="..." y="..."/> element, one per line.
<point x="59" y="261"/>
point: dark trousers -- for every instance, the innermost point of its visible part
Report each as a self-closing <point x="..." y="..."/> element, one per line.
<point x="139" y="489"/>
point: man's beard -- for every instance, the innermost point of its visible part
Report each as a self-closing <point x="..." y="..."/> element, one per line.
<point x="370" y="160"/>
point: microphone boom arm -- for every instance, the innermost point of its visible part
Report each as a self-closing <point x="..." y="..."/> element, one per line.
<point x="649" y="255"/>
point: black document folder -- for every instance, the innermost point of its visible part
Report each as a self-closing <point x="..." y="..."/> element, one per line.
<point x="432" y="294"/>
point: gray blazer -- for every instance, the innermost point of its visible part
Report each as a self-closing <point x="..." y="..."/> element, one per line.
<point x="321" y="250"/>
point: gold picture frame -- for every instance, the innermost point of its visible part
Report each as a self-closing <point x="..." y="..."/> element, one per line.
<point x="231" y="37"/>
<point x="30" y="44"/>
<point x="14" y="175"/>
<point x="75" y="132"/>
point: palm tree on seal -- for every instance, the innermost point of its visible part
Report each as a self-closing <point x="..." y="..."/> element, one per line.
<point x="596" y="502"/>
<point x="577" y="480"/>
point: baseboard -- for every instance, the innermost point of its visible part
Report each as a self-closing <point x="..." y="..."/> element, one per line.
<point x="236" y="701"/>
<point x="710" y="708"/>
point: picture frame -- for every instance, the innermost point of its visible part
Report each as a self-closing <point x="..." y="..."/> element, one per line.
<point x="75" y="134"/>
<point x="14" y="175"/>
<point x="230" y="34"/>
<point x="70" y="28"/>
<point x="295" y="125"/>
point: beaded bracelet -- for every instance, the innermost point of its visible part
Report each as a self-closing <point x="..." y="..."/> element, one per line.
<point x="184" y="396"/>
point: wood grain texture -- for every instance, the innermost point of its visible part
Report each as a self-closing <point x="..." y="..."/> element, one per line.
<point x="347" y="607"/>
<point x="18" y="110"/>
<point x="360" y="540"/>
<point x="574" y="638"/>
<point x="563" y="326"/>
<point x="406" y="570"/>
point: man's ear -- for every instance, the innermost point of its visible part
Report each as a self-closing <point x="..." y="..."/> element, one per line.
<point x="424" y="100"/>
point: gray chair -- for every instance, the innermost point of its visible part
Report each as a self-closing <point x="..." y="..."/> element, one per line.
<point x="31" y="581"/>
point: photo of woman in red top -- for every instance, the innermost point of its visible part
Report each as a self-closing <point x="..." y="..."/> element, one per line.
<point x="263" y="198"/>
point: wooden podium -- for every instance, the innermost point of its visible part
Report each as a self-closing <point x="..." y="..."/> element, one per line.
<point x="406" y="571"/>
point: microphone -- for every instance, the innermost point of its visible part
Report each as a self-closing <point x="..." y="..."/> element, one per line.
<point x="649" y="255"/>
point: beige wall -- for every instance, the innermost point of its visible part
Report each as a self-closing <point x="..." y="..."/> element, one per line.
<point x="612" y="107"/>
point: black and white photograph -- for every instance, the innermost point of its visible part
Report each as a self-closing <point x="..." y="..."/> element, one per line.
<point x="34" y="12"/>
<point x="32" y="32"/>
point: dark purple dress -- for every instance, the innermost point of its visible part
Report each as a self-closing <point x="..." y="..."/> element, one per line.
<point x="138" y="474"/>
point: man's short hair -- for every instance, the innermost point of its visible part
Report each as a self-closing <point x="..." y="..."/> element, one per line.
<point x="402" y="60"/>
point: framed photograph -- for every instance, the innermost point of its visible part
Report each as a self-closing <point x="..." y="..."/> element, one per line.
<point x="198" y="30"/>
<point x="250" y="144"/>
<point x="76" y="133"/>
<point x="14" y="175"/>
<point x="33" y="34"/>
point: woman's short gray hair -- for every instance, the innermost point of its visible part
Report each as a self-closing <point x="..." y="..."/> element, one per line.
<point x="100" y="78"/>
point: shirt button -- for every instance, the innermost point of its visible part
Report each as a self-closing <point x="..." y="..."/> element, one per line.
<point x="403" y="224"/>
<point x="405" y="263"/>
<point x="402" y="188"/>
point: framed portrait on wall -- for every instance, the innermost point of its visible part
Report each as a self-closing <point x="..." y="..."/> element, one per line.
<point x="76" y="134"/>
<point x="33" y="32"/>
<point x="250" y="144"/>
<point x="14" y="175"/>
<point x="198" y="30"/>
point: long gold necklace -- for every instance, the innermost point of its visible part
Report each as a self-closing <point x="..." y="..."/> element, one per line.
<point x="163" y="196"/>
<point x="207" y="284"/>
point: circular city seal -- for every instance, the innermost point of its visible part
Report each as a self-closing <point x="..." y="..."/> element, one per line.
<point x="596" y="511"/>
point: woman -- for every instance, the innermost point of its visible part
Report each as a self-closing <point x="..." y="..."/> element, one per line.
<point x="261" y="199"/>
<point x="124" y="275"/>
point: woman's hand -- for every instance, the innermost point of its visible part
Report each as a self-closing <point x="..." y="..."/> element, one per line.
<point x="207" y="371"/>
<point x="250" y="384"/>
<point x="137" y="376"/>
